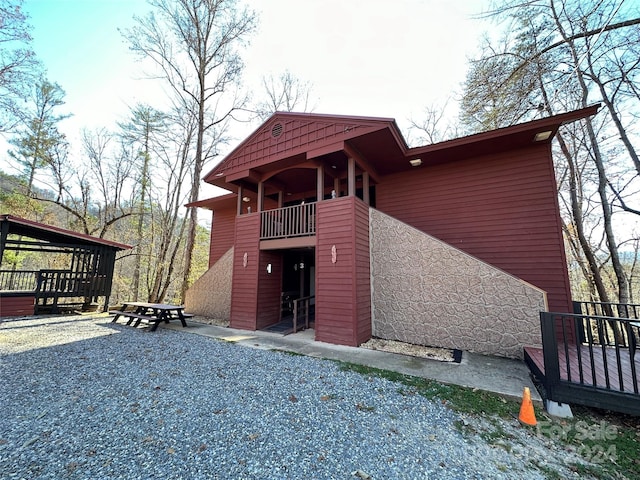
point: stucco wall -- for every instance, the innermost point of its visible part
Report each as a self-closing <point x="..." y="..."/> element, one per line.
<point x="426" y="292"/>
<point x="210" y="295"/>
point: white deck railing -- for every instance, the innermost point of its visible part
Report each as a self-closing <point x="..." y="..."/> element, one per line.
<point x="287" y="222"/>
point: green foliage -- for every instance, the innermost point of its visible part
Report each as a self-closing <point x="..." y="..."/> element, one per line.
<point x="610" y="442"/>
<point x="39" y="140"/>
<point x="200" y="257"/>
<point x="460" y="399"/>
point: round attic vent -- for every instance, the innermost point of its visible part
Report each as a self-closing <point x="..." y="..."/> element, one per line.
<point x="276" y="131"/>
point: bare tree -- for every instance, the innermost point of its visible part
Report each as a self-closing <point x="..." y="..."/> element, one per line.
<point x="97" y="193"/>
<point x="285" y="93"/>
<point x="18" y="65"/>
<point x="559" y="55"/>
<point x="194" y="43"/>
<point x="434" y="126"/>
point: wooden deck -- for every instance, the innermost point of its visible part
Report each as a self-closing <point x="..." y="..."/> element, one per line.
<point x="592" y="367"/>
<point x="600" y="370"/>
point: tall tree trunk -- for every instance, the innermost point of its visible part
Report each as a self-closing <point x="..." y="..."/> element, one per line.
<point x="195" y="192"/>
<point x="140" y="228"/>
<point x="623" y="290"/>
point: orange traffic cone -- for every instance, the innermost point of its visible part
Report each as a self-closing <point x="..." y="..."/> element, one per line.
<point x="527" y="415"/>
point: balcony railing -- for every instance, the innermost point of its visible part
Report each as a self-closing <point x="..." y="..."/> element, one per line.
<point x="288" y="222"/>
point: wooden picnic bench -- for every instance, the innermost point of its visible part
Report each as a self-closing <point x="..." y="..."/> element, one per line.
<point x="152" y="313"/>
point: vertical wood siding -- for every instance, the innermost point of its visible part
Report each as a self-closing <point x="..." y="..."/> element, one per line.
<point x="245" y="279"/>
<point x="222" y="233"/>
<point x="502" y="209"/>
<point x="269" y="288"/>
<point x="362" y="273"/>
<point x="343" y="308"/>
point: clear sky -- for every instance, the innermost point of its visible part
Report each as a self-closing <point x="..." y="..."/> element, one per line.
<point x="364" y="57"/>
<point x="387" y="58"/>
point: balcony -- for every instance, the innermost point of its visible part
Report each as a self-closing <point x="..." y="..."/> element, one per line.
<point x="288" y="222"/>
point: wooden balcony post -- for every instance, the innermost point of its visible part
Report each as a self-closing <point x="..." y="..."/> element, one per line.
<point x="365" y="187"/>
<point x="239" y="212"/>
<point x="351" y="180"/>
<point x="260" y="196"/>
<point x="336" y="186"/>
<point x="280" y="199"/>
<point x="320" y="184"/>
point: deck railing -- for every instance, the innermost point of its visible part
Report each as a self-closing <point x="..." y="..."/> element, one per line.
<point x="287" y="222"/>
<point x="302" y="311"/>
<point x="604" y="358"/>
<point x="24" y="280"/>
<point x="609" y="333"/>
<point x="65" y="283"/>
<point x="609" y="309"/>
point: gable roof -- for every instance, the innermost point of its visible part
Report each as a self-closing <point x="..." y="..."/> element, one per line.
<point x="40" y="231"/>
<point x="286" y="134"/>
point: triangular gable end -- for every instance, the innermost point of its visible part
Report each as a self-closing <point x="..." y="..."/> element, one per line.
<point x="289" y="134"/>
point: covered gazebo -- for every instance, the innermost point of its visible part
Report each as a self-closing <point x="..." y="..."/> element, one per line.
<point x="86" y="278"/>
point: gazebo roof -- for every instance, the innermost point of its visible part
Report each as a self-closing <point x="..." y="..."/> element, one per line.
<point x="10" y="224"/>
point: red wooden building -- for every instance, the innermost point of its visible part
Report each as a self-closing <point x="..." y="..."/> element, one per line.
<point x="456" y="244"/>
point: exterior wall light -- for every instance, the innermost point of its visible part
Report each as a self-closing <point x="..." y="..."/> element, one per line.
<point x="542" y="136"/>
<point x="416" y="162"/>
<point x="269" y="268"/>
<point x="246" y="199"/>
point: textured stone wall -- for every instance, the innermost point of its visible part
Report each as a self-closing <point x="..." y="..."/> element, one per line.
<point x="427" y="292"/>
<point x="210" y="295"/>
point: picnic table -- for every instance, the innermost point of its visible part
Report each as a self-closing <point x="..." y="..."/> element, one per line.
<point x="153" y="313"/>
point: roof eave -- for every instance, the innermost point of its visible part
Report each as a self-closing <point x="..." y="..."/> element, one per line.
<point x="554" y="122"/>
<point x="63" y="232"/>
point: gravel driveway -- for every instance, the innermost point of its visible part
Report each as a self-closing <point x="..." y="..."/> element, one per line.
<point x="82" y="398"/>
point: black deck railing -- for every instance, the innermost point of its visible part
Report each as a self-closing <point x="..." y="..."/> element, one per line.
<point x="53" y="285"/>
<point x="66" y="283"/>
<point x="287" y="222"/>
<point x="608" y="309"/>
<point x="609" y="333"/>
<point x="597" y="370"/>
<point x="18" y="280"/>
